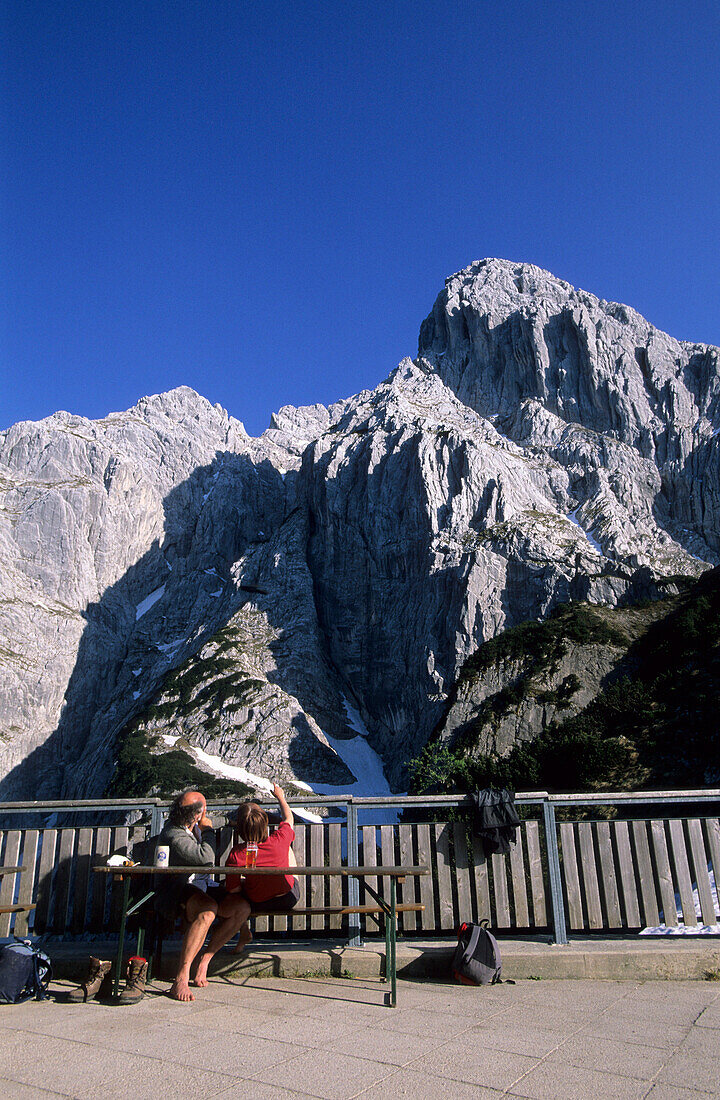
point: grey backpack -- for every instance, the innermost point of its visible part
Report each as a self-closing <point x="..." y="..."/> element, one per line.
<point x="477" y="956"/>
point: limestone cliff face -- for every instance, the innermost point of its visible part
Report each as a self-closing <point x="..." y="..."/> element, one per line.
<point x="513" y="700"/>
<point x="544" y="446"/>
<point x="118" y="541"/>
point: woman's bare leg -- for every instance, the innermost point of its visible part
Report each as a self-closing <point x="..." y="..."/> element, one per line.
<point x="244" y="938"/>
<point x="245" y="935"/>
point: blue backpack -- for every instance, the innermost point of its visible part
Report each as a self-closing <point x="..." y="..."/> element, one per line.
<point x="25" y="972"/>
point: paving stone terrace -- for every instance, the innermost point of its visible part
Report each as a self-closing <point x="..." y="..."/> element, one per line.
<point x="335" y="1039"/>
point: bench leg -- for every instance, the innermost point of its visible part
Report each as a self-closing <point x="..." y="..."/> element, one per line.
<point x="159" y="951"/>
<point x="154" y="936"/>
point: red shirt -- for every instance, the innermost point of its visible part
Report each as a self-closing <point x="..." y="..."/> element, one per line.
<point x="273" y="852"/>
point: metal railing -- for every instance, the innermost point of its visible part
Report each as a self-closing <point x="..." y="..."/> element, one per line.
<point x="594" y="874"/>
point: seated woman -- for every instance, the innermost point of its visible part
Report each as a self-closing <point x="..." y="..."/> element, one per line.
<point x="277" y="892"/>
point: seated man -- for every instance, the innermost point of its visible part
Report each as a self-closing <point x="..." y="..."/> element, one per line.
<point x="190" y="836"/>
<point x="279" y="893"/>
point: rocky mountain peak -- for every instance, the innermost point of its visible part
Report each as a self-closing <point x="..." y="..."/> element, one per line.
<point x="501" y="333"/>
<point x="180" y="404"/>
<point x="507" y="284"/>
<point x="503" y="287"/>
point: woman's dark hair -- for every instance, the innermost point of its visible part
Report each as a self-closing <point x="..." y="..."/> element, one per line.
<point x="183" y="813"/>
<point x="252" y="823"/>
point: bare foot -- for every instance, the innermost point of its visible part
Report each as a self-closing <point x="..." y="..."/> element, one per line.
<point x="244" y="938"/>
<point x="180" y="991"/>
<point x="201" y="978"/>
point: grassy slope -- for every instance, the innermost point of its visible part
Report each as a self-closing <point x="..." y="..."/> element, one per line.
<point x="210" y="685"/>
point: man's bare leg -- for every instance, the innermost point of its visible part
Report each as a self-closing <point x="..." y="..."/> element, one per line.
<point x="200" y="912"/>
<point x="233" y="912"/>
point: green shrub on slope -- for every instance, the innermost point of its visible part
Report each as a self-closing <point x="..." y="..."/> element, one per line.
<point x="656" y="726"/>
<point x="139" y="772"/>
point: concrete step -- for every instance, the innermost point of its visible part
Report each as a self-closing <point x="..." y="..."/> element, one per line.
<point x="636" y="959"/>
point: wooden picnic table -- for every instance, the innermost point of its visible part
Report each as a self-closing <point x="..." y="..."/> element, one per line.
<point x="394" y="873"/>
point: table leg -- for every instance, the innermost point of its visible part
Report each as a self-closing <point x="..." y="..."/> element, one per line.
<point x="390" y="913"/>
<point x="392" y="921"/>
<point x="121" y="938"/>
<point x="386" y="914"/>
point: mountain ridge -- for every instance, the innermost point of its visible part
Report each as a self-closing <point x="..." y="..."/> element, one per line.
<point x="543" y="446"/>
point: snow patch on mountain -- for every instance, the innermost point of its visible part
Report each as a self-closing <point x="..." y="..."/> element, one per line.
<point x="144" y="606"/>
<point x="594" y="544"/>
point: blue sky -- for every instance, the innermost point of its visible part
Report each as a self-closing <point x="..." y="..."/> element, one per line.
<point x="262" y="200"/>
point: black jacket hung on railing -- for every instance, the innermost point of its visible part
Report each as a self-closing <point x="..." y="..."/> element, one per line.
<point x="495" y="819"/>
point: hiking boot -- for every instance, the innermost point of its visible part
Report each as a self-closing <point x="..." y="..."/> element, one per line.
<point x="135" y="984"/>
<point x="98" y="971"/>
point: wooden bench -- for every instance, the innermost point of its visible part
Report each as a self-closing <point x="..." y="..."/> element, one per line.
<point x="342" y="910"/>
<point x="7" y="907"/>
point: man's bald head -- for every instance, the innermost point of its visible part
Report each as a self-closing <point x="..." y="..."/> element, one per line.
<point x="186" y="808"/>
<point x="187" y="798"/>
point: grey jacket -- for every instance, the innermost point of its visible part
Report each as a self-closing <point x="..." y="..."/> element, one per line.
<point x="185" y="851"/>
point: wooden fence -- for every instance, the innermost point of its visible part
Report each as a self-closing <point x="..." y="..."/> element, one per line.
<point x="636" y="874"/>
<point x="465" y="884"/>
<point x="611" y="875"/>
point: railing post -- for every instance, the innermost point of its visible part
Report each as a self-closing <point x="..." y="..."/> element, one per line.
<point x="556" y="894"/>
<point x="157" y="820"/>
<point x="353" y="883"/>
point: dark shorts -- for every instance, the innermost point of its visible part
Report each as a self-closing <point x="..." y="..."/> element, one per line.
<point x="281" y="904"/>
<point x="216" y="892"/>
